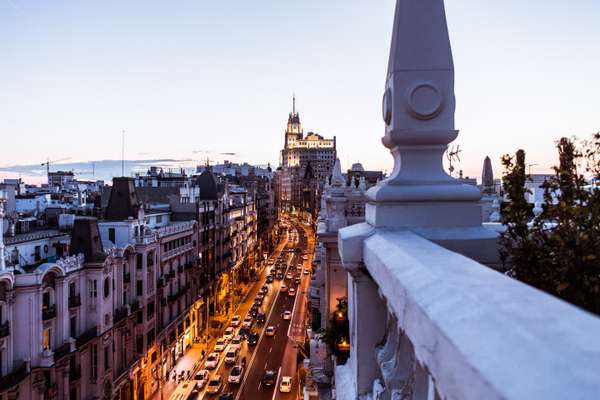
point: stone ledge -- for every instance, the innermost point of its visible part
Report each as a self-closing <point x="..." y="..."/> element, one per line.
<point x="479" y="333"/>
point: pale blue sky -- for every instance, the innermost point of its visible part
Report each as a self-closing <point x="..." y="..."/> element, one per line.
<point x="219" y="75"/>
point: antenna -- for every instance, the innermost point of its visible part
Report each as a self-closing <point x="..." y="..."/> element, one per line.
<point x="529" y="167"/>
<point x="294" y="103"/>
<point x="453" y="155"/>
<point x="123" y="154"/>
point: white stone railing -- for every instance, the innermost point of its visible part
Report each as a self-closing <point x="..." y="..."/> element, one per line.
<point x="428" y="323"/>
<point x="177" y="251"/>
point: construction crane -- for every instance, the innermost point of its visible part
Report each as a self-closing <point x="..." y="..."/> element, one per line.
<point x="48" y="162"/>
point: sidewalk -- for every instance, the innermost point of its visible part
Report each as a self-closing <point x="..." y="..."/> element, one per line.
<point x="185" y="363"/>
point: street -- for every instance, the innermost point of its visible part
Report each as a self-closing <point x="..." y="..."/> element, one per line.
<point x="279" y="352"/>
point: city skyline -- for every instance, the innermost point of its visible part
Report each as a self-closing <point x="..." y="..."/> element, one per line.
<point x="221" y="77"/>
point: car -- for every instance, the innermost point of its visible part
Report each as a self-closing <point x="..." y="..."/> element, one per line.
<point x="254" y="312"/>
<point x="252" y="339"/>
<point x="220" y="345"/>
<point x="214" y="385"/>
<point x="292" y="292"/>
<point x="285" y="386"/>
<point x="260" y="295"/>
<point x="279" y="276"/>
<point x="283" y="288"/>
<point x="248" y="321"/>
<point x="305" y="257"/>
<point x="236" y="374"/>
<point x="228" y="335"/>
<point x="258" y="301"/>
<point x="194" y="394"/>
<point x="261" y="318"/>
<point x="244" y="331"/>
<point x="306" y="271"/>
<point x="226" y="396"/>
<point x="231" y="355"/>
<point x="269" y="378"/>
<point x="270" y="278"/>
<point x="264" y="289"/>
<point x="289" y="276"/>
<point x="297" y="281"/>
<point x="236" y="341"/>
<point x="236" y="320"/>
<point x="201" y="378"/>
<point x="212" y="361"/>
<point x="287" y="315"/>
<point x="270" y="331"/>
<point x="270" y="262"/>
<point x="299" y="267"/>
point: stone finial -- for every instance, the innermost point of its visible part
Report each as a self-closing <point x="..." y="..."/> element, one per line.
<point x="495" y="215"/>
<point x="418" y="111"/>
<point x="537" y="209"/>
<point x="337" y="179"/>
<point x="362" y="184"/>
<point x="487" y="176"/>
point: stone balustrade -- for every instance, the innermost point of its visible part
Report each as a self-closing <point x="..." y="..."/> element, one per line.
<point x="428" y="323"/>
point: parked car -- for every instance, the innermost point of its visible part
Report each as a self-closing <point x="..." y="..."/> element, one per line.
<point x="229" y="332"/>
<point x="201" y="378"/>
<point x="212" y="361"/>
<point x="285" y="386"/>
<point x="291" y="292"/>
<point x="220" y="345"/>
<point x="231" y="355"/>
<point x="235" y="376"/>
<point x="283" y="288"/>
<point x="214" y="385"/>
<point x="269" y="378"/>
<point x="270" y="331"/>
<point x="287" y="315"/>
<point x="252" y="339"/>
<point x="236" y="320"/>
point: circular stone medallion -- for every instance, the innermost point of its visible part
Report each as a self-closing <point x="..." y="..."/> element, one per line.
<point x="424" y="100"/>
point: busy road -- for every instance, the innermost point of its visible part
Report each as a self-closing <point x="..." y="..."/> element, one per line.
<point x="256" y="358"/>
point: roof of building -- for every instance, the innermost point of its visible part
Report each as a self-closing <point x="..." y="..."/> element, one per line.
<point x="85" y="239"/>
<point x="123" y="202"/>
<point x="208" y="185"/>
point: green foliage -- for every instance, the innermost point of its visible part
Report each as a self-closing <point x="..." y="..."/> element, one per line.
<point x="557" y="251"/>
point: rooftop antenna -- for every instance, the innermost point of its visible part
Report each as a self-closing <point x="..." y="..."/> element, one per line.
<point x="529" y="168"/>
<point x="294" y="103"/>
<point x="123" y="154"/>
<point x="453" y="155"/>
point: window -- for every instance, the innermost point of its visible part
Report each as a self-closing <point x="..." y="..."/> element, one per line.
<point x="139" y="344"/>
<point x="124" y="296"/>
<point x="46" y="300"/>
<point x="106" y="358"/>
<point x="139" y="288"/>
<point x="73" y="326"/>
<point x="139" y="261"/>
<point x="159" y="219"/>
<point x="150" y="310"/>
<point x="47" y="339"/>
<point x="72" y="289"/>
<point x="150" y="337"/>
<point x="93" y="288"/>
<point x="150" y="259"/>
<point x="106" y="287"/>
<point x="111" y="235"/>
<point x="93" y="362"/>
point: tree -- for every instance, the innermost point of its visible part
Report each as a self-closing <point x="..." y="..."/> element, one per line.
<point x="557" y="250"/>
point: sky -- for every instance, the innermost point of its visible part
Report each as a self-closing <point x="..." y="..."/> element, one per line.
<point x="191" y="79"/>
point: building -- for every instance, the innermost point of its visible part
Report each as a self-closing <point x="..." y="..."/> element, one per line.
<point x="302" y="156"/>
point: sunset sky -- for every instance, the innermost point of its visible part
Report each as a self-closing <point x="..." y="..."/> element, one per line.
<point x="187" y="80"/>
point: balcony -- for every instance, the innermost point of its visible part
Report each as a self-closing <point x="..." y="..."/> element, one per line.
<point x="5" y="329"/>
<point x="17" y="375"/>
<point x="74" y="301"/>
<point x="177" y="251"/>
<point x="48" y="312"/>
<point x="434" y="321"/>
<point x="62" y="351"/>
<point x="135" y="306"/>
<point x="86" y="336"/>
<point x="120" y="314"/>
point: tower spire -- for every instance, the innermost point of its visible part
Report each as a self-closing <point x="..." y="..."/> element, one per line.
<point x="294" y="103"/>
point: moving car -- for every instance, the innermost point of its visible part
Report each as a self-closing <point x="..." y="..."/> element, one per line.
<point x="306" y="271"/>
<point x="292" y="292"/>
<point x="214" y="385"/>
<point x="236" y="342"/>
<point x="261" y="318"/>
<point x="231" y="355"/>
<point x="211" y="361"/>
<point x="297" y="281"/>
<point x="279" y="276"/>
<point x="289" y="276"/>
<point x="283" y="288"/>
<point x="287" y="315"/>
<point x="235" y="376"/>
<point x="270" y="331"/>
<point x="252" y="339"/>
<point x="286" y="384"/>
<point x="305" y="257"/>
<point x="226" y="396"/>
<point x="236" y="320"/>
<point x="258" y="301"/>
<point x="220" y="345"/>
<point x="248" y="321"/>
<point x="260" y="295"/>
<point x="269" y="378"/>
<point x="228" y="334"/>
<point x="264" y="289"/>
<point x="269" y="278"/>
<point x="201" y="378"/>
